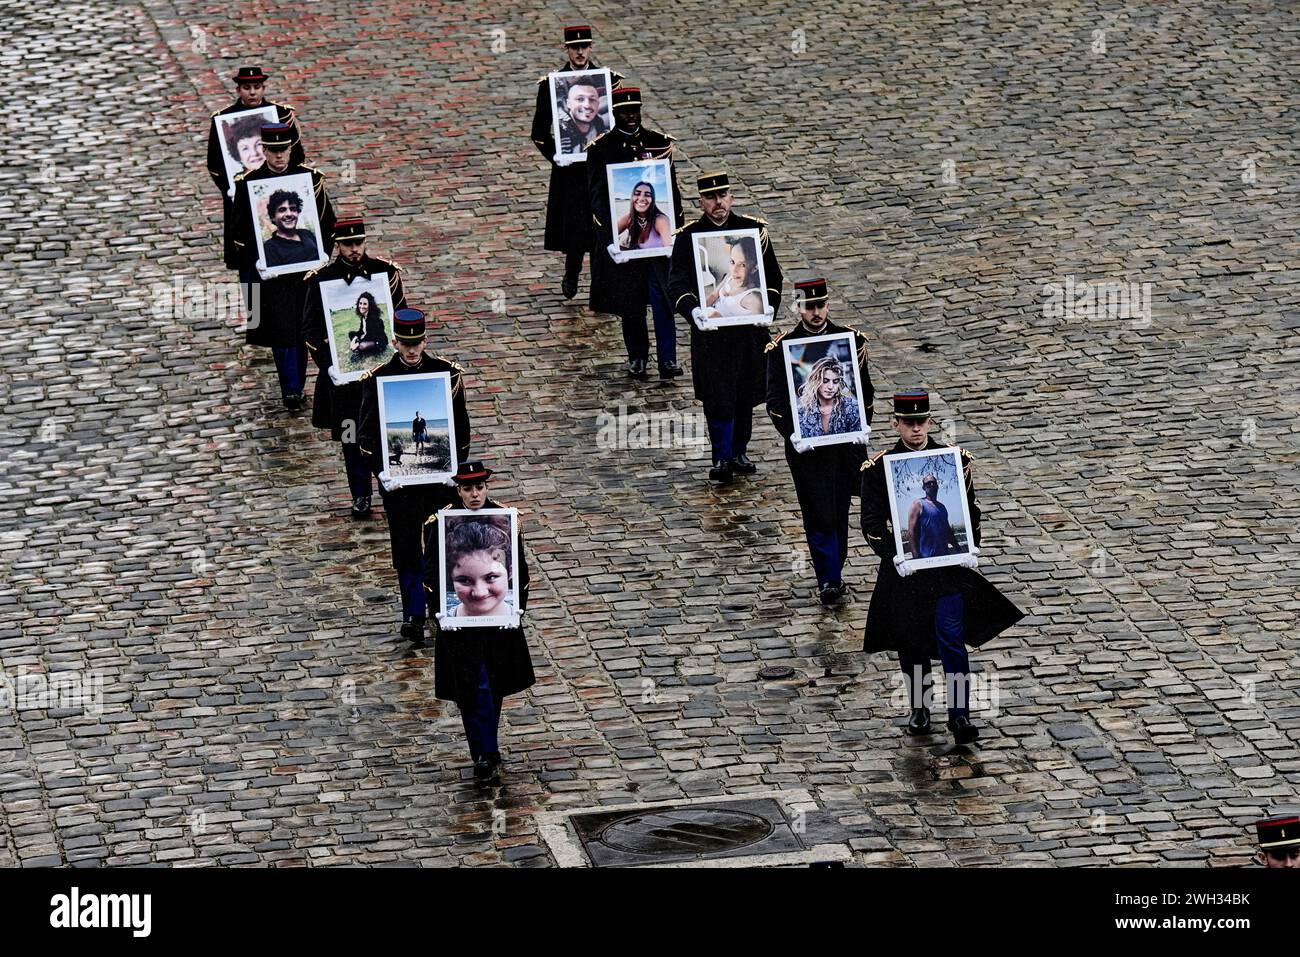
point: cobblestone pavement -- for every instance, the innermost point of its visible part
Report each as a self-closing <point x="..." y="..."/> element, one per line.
<point x="170" y="531"/>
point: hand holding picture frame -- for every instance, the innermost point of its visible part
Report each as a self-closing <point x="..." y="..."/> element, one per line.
<point x="581" y="110"/>
<point x="478" y="565"/>
<point x="928" y="507"/>
<point x="822" y="378"/>
<point x="240" y="136"/>
<point x="286" y="225"/>
<point x="358" y="324"/>
<point x="641" y="204"/>
<point x="417" y="429"/>
<point x="730" y="280"/>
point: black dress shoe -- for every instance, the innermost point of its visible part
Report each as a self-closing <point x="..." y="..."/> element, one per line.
<point x="669" y="370"/>
<point x="841" y="591"/>
<point x="636" y="368"/>
<point x="919" y="722"/>
<point x="722" y="472"/>
<point x="743" y="465"/>
<point x="569" y="287"/>
<point x="294" y="401"/>
<point x="829" y="594"/>
<point x="413" y="628"/>
<point x="361" y="506"/>
<point x="963" y="731"/>
<point x="483" y="768"/>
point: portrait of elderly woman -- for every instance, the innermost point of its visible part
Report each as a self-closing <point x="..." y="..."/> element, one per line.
<point x="825" y="394"/>
<point x="241" y="134"/>
<point x="732" y="288"/>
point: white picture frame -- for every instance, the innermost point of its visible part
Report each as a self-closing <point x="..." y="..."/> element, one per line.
<point x="474" y="567"/>
<point x="402" y="398"/>
<point x="817" y="356"/>
<point x="654" y="176"/>
<point x="714" y="253"/>
<point x="307" y="224"/>
<point x="235" y="131"/>
<point x="570" y="140"/>
<point x="341" y="305"/>
<point x="904" y="475"/>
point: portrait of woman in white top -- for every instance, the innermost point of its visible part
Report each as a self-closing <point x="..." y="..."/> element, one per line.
<point x="741" y="292"/>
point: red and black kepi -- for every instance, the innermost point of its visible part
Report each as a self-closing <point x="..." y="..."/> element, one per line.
<point x="577" y="36"/>
<point x="1278" y="831"/>
<point x="473" y="471"/>
<point x="811" y="292"/>
<point x="350" y="229"/>
<point x="627" y="96"/>
<point x="278" y="136"/>
<point x="913" y="404"/>
<point x="408" y="325"/>
<point x="250" y="74"/>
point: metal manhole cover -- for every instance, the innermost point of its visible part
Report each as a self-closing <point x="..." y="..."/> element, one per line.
<point x="776" y="672"/>
<point x="687" y="832"/>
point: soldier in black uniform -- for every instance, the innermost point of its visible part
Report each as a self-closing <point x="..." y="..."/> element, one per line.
<point x="276" y="305"/>
<point x="337" y="406"/>
<point x="625" y="287"/>
<point x="250" y="82"/>
<point x="568" y="214"/>
<point x="407" y="507"/>
<point x="477" y="667"/>
<point x="827" y="476"/>
<point x="727" y="364"/>
<point x="919" y="613"/>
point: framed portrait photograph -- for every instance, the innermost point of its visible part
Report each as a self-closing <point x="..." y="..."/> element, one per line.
<point x="928" y="507"/>
<point x="240" y="135"/>
<point x="478" y="566"/>
<point x="641" y="208"/>
<point x="287" y="228"/>
<point x="821" y="374"/>
<point x="358" y="323"/>
<point x="730" y="280"/>
<point x="581" y="110"/>
<point x="417" y="430"/>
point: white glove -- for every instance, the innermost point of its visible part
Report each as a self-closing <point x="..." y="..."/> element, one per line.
<point x="565" y="159"/>
<point x="903" y="567"/>
<point x="618" y="255"/>
<point x="971" y="560"/>
<point x="864" y="438"/>
<point x="391" y="483"/>
<point x="800" y="445"/>
<point x="697" y="315"/>
<point x="334" y="376"/>
<point x="449" y="482"/>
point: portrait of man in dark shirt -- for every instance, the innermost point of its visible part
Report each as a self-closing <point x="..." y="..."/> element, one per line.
<point x="288" y="244"/>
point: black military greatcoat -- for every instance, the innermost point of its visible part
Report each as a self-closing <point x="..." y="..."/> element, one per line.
<point x="332" y="405"/>
<point x="623" y="289"/>
<point x="458" y="653"/>
<point x="728" y="368"/>
<point x="825" y="477"/>
<point x="568" y="209"/>
<point x="901" y="616"/>
<point x="408" y="508"/>
<point x="276" y="318"/>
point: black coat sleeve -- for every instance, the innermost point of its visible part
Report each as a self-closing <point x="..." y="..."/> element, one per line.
<point x="778" y="394"/>
<point x="598" y="192"/>
<point x="395" y="287"/>
<point x="325" y="210"/>
<point x="543" y="135"/>
<point x="216" y="162"/>
<point x="368" y="426"/>
<point x="460" y="413"/>
<point x="875" y="511"/>
<point x="864" y="373"/>
<point x="313" y="323"/>
<point x="432" y="529"/>
<point x="681" y="277"/>
<point x="771" y="272"/>
<point x="523" y="574"/>
<point x="970" y="498"/>
<point x="240" y="248"/>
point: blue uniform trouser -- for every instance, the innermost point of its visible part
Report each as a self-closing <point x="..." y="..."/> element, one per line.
<point x="481" y="715"/>
<point x="291" y="365"/>
<point x="730" y="437"/>
<point x="411" y="582"/>
<point x="948" y="614"/>
<point x="357" y="469"/>
<point x="829" y="551"/>
<point x="665" y="321"/>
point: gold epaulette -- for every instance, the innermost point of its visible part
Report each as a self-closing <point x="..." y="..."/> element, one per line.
<point x="387" y="262"/>
<point x="588" y="146"/>
<point x="759" y="219"/>
<point x="681" y="229"/>
<point x="871" y="461"/>
<point x="313" y="272"/>
<point x="772" y="345"/>
<point x="240" y="175"/>
<point x="965" y="454"/>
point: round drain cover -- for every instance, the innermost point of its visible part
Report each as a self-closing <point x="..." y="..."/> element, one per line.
<point x="687" y="831"/>
<point x="776" y="672"/>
